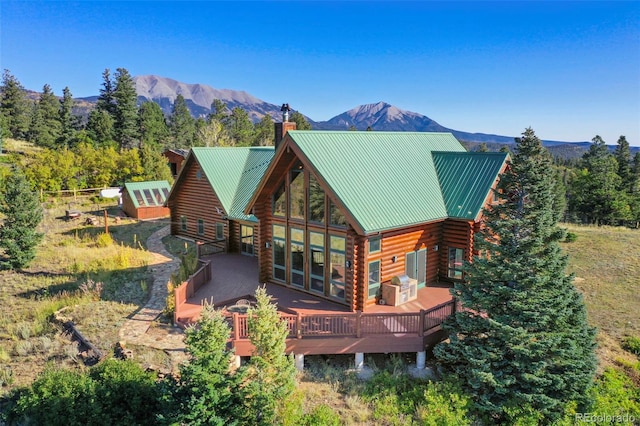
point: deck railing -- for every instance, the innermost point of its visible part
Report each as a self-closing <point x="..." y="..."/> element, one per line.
<point x="214" y="247"/>
<point x="355" y="324"/>
<point x="188" y="288"/>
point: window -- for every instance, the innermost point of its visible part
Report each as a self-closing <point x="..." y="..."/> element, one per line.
<point x="296" y="194"/>
<point x="246" y="239"/>
<point x="337" y="218"/>
<point x="456" y="260"/>
<point x="316" y="201"/>
<point x="138" y="195"/>
<point x="158" y="196"/>
<point x="183" y="223"/>
<point x="149" y="197"/>
<point x="415" y="266"/>
<point x="199" y="174"/>
<point x="279" y="202"/>
<point x="297" y="257"/>
<point x="200" y="227"/>
<point x="279" y="243"/>
<point x="374" y="245"/>
<point x="219" y="231"/>
<point x="316" y="251"/>
<point x="374" y="278"/>
<point x="337" y="282"/>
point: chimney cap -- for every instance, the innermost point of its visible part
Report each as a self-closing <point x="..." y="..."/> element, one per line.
<point x="285" y="112"/>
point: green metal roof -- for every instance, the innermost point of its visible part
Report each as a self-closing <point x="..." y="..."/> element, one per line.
<point x="234" y="174"/>
<point x="148" y="194"/>
<point x="385" y="179"/>
<point x="466" y="179"/>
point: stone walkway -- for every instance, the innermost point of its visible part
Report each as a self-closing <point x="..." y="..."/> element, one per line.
<point x="136" y="330"/>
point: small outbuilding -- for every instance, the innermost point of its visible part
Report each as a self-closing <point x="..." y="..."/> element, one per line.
<point x="145" y="200"/>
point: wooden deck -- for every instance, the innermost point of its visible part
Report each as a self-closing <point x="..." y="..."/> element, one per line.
<point x="318" y="325"/>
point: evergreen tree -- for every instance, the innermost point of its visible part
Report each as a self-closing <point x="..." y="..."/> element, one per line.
<point x="269" y="377"/>
<point x="45" y="128"/>
<point x="205" y="393"/>
<point x="301" y="122"/>
<point x="106" y="101"/>
<point x="14" y="106"/>
<point x="152" y="125"/>
<point x="67" y="120"/>
<point x="219" y="111"/>
<point x="264" y="132"/>
<point x="623" y="156"/>
<point x="595" y="191"/>
<point x="240" y="127"/>
<point x="522" y="342"/>
<point x="182" y="126"/>
<point x="22" y="214"/>
<point x="100" y="127"/>
<point x="126" y="110"/>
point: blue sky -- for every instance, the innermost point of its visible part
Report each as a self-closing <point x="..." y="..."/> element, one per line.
<point x="570" y="70"/>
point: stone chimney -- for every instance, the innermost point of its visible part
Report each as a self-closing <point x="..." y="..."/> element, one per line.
<point x="285" y="126"/>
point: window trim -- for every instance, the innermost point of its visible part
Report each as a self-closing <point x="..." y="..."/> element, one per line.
<point x="379" y="240"/>
<point x="375" y="285"/>
<point x="200" y="227"/>
<point x="183" y="223"/>
<point x="219" y="231"/>
<point x="452" y="270"/>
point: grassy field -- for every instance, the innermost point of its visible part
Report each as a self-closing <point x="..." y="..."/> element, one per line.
<point x="101" y="280"/>
<point x="606" y="263"/>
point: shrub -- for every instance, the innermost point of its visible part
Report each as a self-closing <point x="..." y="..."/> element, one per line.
<point x="632" y="344"/>
<point x="322" y="415"/>
<point x="615" y="392"/>
<point x="24" y="348"/>
<point x="444" y="404"/>
<point x="104" y="240"/>
<point x="58" y="396"/>
<point x="571" y="237"/>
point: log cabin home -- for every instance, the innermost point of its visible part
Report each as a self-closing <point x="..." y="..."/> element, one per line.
<point x="145" y="200"/>
<point x="341" y="213"/>
<point x="208" y="198"/>
<point x="175" y="159"/>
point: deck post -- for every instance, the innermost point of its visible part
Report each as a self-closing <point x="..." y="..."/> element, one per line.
<point x="237" y="361"/>
<point x="236" y="327"/>
<point x="421" y="358"/>
<point x="299" y="326"/>
<point x="299" y="362"/>
<point x="358" y="324"/>
<point x="421" y="323"/>
<point x="359" y="361"/>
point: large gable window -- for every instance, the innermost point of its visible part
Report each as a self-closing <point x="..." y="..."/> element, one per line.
<point x="296" y="194"/>
<point x="337" y="218"/>
<point x="280" y="202"/>
<point x="316" y="201"/>
<point x="279" y="256"/>
<point x="297" y="257"/>
<point x="337" y="249"/>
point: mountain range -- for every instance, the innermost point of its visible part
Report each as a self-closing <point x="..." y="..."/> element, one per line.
<point x="380" y="116"/>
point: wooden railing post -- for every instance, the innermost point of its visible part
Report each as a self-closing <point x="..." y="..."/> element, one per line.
<point x="299" y="325"/>
<point x="421" y="323"/>
<point x="358" y="324"/>
<point x="236" y="327"/>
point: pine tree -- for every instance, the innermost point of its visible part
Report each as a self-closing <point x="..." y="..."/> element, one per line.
<point x="205" y="394"/>
<point x="22" y="214"/>
<point x="269" y="377"/>
<point x="45" y="125"/>
<point x="100" y="127"/>
<point x="67" y="120"/>
<point x="522" y="343"/>
<point x="126" y="110"/>
<point x="154" y="164"/>
<point x="14" y="106"/>
<point x="301" y="122"/>
<point x="240" y="127"/>
<point x="106" y="101"/>
<point x="181" y="124"/>
<point x="623" y="156"/>
<point x="152" y="125"/>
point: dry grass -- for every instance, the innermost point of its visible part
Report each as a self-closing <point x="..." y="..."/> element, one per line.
<point x="70" y="255"/>
<point x="606" y="262"/>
